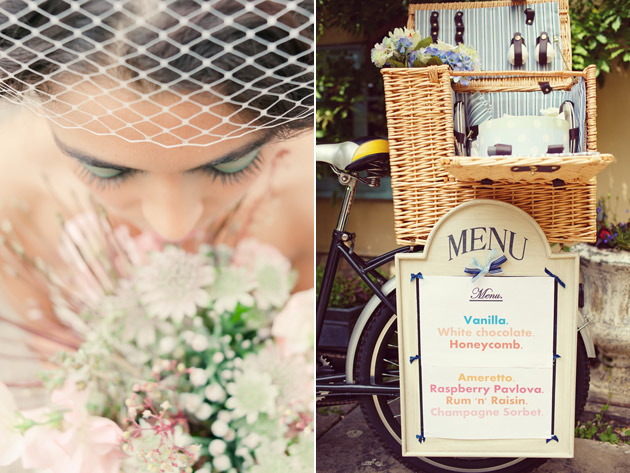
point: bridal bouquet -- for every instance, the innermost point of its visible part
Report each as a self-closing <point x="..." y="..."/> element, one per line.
<point x="190" y="362"/>
<point x="404" y="47"/>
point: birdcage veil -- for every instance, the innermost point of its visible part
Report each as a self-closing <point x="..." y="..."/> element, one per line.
<point x="170" y="72"/>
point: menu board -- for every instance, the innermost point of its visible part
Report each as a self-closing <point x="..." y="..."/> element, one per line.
<point x="486" y="356"/>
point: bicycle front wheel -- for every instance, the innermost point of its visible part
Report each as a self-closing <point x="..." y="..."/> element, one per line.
<point x="377" y="362"/>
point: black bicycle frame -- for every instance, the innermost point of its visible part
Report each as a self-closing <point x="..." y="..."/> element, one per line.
<point x="366" y="270"/>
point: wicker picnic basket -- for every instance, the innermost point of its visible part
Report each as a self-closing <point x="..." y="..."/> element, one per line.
<point x="428" y="179"/>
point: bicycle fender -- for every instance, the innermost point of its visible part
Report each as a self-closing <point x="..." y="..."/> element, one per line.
<point x="587" y="337"/>
<point x="362" y="321"/>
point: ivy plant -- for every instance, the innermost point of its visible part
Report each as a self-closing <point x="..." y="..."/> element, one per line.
<point x="600" y="33"/>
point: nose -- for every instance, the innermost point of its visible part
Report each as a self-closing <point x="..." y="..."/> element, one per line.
<point x="172" y="206"/>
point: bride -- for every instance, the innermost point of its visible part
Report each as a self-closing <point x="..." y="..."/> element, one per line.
<point x="187" y="120"/>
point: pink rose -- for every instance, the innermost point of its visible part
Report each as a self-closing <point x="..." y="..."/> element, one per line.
<point x="293" y="326"/>
<point x="86" y="444"/>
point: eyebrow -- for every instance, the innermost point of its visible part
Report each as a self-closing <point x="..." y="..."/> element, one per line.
<point x="92" y="161"/>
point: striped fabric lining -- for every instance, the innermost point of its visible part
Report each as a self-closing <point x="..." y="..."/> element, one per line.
<point x="530" y="103"/>
<point x="490" y="31"/>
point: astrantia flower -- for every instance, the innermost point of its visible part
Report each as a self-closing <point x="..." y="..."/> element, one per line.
<point x="232" y="287"/>
<point x="173" y="284"/>
<point x="252" y="393"/>
<point x="271" y="458"/>
<point x="271" y="269"/>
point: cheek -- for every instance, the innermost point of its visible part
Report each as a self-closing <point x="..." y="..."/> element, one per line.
<point x="120" y="199"/>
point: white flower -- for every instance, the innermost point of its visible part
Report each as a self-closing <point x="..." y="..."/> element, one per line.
<point x="271" y="458"/>
<point x="252" y="440"/>
<point x="252" y="393"/>
<point x="219" y="428"/>
<point x="204" y="411"/>
<point x="271" y="269"/>
<point x="199" y="342"/>
<point x="232" y="287"/>
<point x="215" y="393"/>
<point x="198" y="377"/>
<point x="167" y="345"/>
<point x="173" y="284"/>
<point x="222" y="463"/>
<point x="11" y="442"/>
<point x="217" y="447"/>
<point x="190" y="401"/>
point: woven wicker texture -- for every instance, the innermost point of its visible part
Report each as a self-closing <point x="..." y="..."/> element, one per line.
<point x="573" y="169"/>
<point x="420" y="129"/>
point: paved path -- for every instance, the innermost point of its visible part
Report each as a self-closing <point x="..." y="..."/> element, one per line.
<point x="345" y="444"/>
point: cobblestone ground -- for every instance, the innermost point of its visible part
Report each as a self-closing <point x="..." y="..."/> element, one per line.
<point x="345" y="444"/>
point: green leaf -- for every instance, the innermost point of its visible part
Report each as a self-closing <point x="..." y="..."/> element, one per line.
<point x="419" y="63"/>
<point x="601" y="38"/>
<point x="626" y="57"/>
<point x="425" y="43"/>
<point x="604" y="66"/>
<point x="435" y="61"/>
<point x="616" y="24"/>
<point x="616" y="53"/>
<point x="579" y="50"/>
<point x="394" y="63"/>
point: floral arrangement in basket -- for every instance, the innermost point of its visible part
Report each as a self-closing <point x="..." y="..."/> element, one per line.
<point x="404" y="47"/>
<point x="611" y="235"/>
<point x="188" y="362"/>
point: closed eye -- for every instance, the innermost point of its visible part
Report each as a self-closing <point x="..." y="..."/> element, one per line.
<point x="232" y="170"/>
<point x="103" y="172"/>
<point x="236" y="165"/>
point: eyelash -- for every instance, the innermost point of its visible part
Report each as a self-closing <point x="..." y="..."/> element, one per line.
<point x="232" y="177"/>
<point x="102" y="183"/>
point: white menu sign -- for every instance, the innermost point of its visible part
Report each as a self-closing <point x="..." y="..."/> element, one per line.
<point x="486" y="353"/>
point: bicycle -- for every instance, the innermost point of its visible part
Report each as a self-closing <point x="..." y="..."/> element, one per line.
<point x="369" y="372"/>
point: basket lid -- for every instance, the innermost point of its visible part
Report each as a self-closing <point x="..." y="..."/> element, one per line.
<point x="541" y="27"/>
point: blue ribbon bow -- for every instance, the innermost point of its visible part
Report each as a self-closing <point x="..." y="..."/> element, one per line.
<point x="553" y="437"/>
<point x="492" y="266"/>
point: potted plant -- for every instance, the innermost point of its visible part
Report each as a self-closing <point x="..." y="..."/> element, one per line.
<point x="605" y="272"/>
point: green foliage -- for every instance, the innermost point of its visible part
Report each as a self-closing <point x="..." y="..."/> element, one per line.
<point x="587" y="430"/>
<point x="358" y="16"/>
<point x="338" y="88"/>
<point x="604" y="431"/>
<point x="600" y="33"/>
<point x="609" y="436"/>
<point x="347" y="291"/>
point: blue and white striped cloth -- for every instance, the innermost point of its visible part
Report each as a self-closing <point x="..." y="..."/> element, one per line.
<point x="490" y="30"/>
<point x="479" y="110"/>
<point x="531" y="103"/>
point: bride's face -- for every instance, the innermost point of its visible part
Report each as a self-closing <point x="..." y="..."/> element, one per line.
<point x="172" y="191"/>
